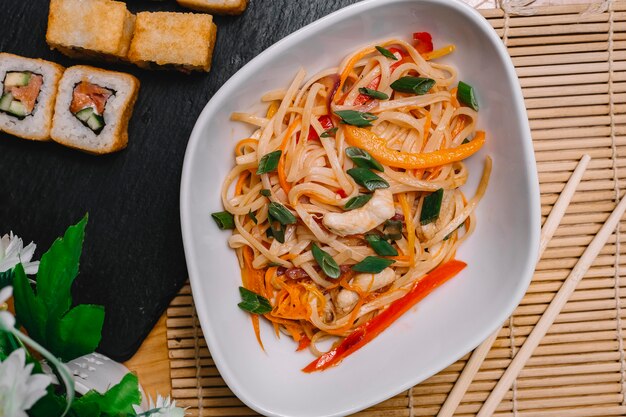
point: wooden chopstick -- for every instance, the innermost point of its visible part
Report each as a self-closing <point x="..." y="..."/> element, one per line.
<point x="547" y="231"/>
<point x="554" y="308"/>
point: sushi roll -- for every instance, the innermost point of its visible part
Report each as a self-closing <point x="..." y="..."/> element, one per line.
<point x="29" y="87"/>
<point x="93" y="29"/>
<point x="93" y="108"/>
<point x="216" y="6"/>
<point x="167" y="40"/>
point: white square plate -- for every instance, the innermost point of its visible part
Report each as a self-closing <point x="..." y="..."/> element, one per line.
<point x="501" y="253"/>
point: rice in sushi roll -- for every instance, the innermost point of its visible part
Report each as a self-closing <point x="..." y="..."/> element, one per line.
<point x="29" y="87"/>
<point x="93" y="108"/>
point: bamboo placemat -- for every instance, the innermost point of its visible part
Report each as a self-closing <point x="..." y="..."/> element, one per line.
<point x="572" y="68"/>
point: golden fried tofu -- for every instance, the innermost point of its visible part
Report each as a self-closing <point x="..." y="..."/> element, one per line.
<point x="181" y="41"/>
<point x="216" y="6"/>
<point x="90" y="28"/>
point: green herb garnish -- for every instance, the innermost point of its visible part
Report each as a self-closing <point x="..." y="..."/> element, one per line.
<point x="253" y="217"/>
<point x="380" y="245"/>
<point x="224" y="220"/>
<point x="431" y="207"/>
<point x="465" y="94"/>
<point x="363" y="159"/>
<point x="415" y="85"/>
<point x="393" y="229"/>
<point x="358" y="201"/>
<point x="253" y="302"/>
<point x="326" y="262"/>
<point x="280" y="213"/>
<point x="386" y="52"/>
<point x="466" y="140"/>
<point x="367" y="178"/>
<point x="356" y="118"/>
<point x="269" y="162"/>
<point x="265" y="192"/>
<point x="329" y="133"/>
<point x="372" y="265"/>
<point x="373" y="93"/>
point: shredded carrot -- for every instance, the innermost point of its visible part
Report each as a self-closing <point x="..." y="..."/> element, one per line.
<point x="353" y="316"/>
<point x="240" y="145"/>
<point x="427" y="125"/>
<point x="410" y="228"/>
<point x="240" y="181"/>
<point x="460" y="125"/>
<point x="400" y="258"/>
<point x="282" y="177"/>
<point x="272" y="109"/>
<point x="249" y="277"/>
<point x="348" y="69"/>
<point x="269" y="274"/>
<point x="438" y="53"/>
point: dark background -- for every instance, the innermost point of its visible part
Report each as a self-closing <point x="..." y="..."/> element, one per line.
<point x="133" y="261"/>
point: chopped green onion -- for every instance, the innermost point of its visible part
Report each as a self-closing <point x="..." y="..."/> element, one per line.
<point x="279" y="213"/>
<point x="372" y="265"/>
<point x="329" y="133"/>
<point x="224" y="220"/>
<point x="253" y="302"/>
<point x="431" y="207"/>
<point x="363" y="159"/>
<point x="393" y="229"/>
<point x="386" y="52"/>
<point x="415" y="85"/>
<point x="358" y="201"/>
<point x="356" y="118"/>
<point x="465" y="94"/>
<point x="253" y="217"/>
<point x="277" y="233"/>
<point x="373" y="93"/>
<point x="269" y="162"/>
<point x="367" y="178"/>
<point x="265" y="192"/>
<point x="380" y="245"/>
<point x="326" y="262"/>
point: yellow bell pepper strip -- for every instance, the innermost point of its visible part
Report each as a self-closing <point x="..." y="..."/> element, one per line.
<point x="377" y="147"/>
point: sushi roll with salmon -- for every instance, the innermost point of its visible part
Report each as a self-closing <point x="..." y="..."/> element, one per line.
<point x="93" y="108"/>
<point x="29" y="87"/>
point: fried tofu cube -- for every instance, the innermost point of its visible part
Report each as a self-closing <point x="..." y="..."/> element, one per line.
<point x="90" y="28"/>
<point x="166" y="40"/>
<point x="216" y="6"/>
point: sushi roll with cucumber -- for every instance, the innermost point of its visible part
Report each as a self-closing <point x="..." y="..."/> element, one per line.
<point x="28" y="88"/>
<point x="93" y="108"/>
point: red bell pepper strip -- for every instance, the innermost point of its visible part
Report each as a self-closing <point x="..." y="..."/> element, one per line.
<point x="304" y="343"/>
<point x="368" y="331"/>
<point x="326" y="123"/>
<point x="423" y="42"/>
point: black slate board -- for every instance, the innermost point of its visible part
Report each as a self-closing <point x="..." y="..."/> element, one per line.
<point x="133" y="261"/>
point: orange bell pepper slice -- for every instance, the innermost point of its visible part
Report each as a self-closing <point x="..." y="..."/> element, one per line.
<point x="368" y="331"/>
<point x="377" y="147"/>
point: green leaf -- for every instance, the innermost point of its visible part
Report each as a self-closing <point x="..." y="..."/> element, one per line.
<point x="431" y="207"/>
<point x="6" y="278"/>
<point x="329" y="133"/>
<point x="367" y="178"/>
<point x="386" y="52"/>
<point x="393" y="229"/>
<point x="265" y="192"/>
<point x="372" y="265"/>
<point x="356" y="118"/>
<point x="253" y="302"/>
<point x="50" y="405"/>
<point x="58" y="269"/>
<point x="380" y="245"/>
<point x="269" y="162"/>
<point x="118" y="400"/>
<point x="30" y="310"/>
<point x="326" y="262"/>
<point x="77" y="333"/>
<point x="415" y="85"/>
<point x="373" y="93"/>
<point x="280" y="213"/>
<point x="253" y="217"/>
<point x="224" y="220"/>
<point x="358" y="201"/>
<point x="465" y="94"/>
<point x="363" y="159"/>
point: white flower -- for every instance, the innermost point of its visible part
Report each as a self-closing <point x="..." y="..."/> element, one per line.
<point x="19" y="390"/>
<point x="7" y="321"/>
<point x="163" y="407"/>
<point x="12" y="252"/>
